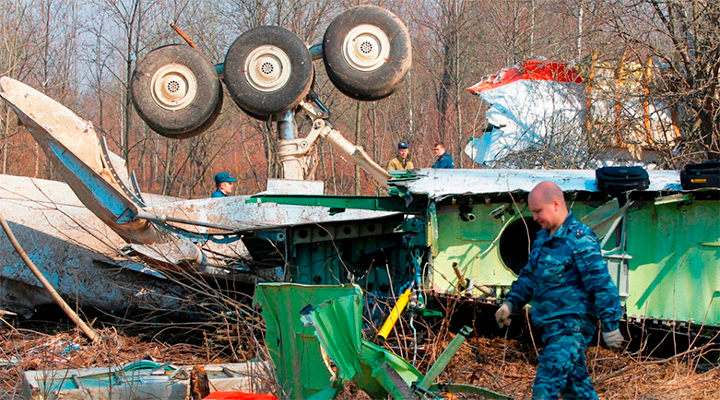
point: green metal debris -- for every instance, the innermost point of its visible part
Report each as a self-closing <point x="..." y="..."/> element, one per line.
<point x="378" y="203"/>
<point x="674" y="273"/>
<point x="660" y="244"/>
<point x="293" y="347"/>
<point x="332" y="319"/>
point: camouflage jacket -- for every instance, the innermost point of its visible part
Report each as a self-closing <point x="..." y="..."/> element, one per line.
<point x="566" y="278"/>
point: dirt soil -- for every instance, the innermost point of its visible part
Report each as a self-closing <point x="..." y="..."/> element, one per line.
<point x="24" y="350"/>
<point x="505" y="366"/>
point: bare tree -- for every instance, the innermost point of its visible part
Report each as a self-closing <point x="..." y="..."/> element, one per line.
<point x="455" y="43"/>
<point x="684" y="39"/>
<point x="451" y="34"/>
<point x="124" y="24"/>
<point x="39" y="44"/>
<point x="15" y="52"/>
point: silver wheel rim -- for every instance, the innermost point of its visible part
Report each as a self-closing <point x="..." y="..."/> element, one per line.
<point x="173" y="87"/>
<point x="366" y="48"/>
<point x="267" y="68"/>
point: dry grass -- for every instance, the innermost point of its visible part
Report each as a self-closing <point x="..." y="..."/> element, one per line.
<point x="31" y="350"/>
<point x="506" y="366"/>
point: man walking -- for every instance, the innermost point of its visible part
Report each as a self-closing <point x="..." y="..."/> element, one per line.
<point x="568" y="283"/>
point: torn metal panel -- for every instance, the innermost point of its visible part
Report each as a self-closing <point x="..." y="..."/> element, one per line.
<point x="76" y="251"/>
<point x="74" y="147"/>
<point x="375" y="370"/>
<point x="604" y="219"/>
<point x="674" y="272"/>
<point x="236" y="213"/>
<point x="300" y="366"/>
<point x="439" y="183"/>
<point x="142" y="380"/>
<point x="338" y="326"/>
<point x="167" y="253"/>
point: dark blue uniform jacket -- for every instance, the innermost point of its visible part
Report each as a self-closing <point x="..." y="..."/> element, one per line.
<point x="444" y="161"/>
<point x="218" y="193"/>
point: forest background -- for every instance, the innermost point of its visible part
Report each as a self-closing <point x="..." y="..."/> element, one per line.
<point x="83" y="53"/>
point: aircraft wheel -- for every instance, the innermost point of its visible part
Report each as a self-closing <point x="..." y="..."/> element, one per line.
<point x="176" y="91"/>
<point x="268" y="70"/>
<point x="268" y="117"/>
<point x="366" y="51"/>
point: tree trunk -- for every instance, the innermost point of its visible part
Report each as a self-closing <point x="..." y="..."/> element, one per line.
<point x="358" y="127"/>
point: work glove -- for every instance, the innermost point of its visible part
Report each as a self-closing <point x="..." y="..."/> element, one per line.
<point x="613" y="339"/>
<point x="502" y="315"/>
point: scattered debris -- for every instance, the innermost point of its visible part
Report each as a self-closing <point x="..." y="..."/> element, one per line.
<point x="145" y="379"/>
<point x="545" y="103"/>
<point x="500" y="364"/>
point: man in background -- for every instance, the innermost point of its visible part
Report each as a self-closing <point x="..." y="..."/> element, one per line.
<point x="224" y="185"/>
<point x="443" y="159"/>
<point x="402" y="161"/>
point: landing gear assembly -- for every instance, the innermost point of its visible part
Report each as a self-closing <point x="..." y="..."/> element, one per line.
<point x="176" y="91"/>
<point x="269" y="74"/>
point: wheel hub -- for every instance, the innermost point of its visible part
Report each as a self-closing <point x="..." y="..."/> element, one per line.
<point x="173" y="87"/>
<point x="366" y="48"/>
<point x="267" y="68"/>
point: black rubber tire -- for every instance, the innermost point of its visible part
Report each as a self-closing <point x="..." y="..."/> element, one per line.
<point x="245" y="84"/>
<point x="207" y="124"/>
<point x="269" y="117"/>
<point x="175" y="63"/>
<point x="385" y="77"/>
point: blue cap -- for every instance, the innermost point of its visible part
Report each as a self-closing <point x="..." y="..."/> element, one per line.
<point x="403" y="145"/>
<point x="223" y="177"/>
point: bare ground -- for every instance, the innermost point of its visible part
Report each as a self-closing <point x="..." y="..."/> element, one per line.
<point x="503" y="365"/>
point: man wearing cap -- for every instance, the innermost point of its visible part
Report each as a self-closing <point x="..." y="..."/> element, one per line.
<point x="224" y="183"/>
<point x="402" y="161"/>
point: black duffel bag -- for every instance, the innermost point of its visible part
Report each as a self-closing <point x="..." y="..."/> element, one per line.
<point x="702" y="175"/>
<point x="621" y="179"/>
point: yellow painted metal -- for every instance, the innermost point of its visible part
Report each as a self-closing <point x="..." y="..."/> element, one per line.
<point x="394" y="315"/>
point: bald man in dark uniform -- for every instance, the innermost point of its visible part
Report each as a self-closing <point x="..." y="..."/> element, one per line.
<point x="567" y="280"/>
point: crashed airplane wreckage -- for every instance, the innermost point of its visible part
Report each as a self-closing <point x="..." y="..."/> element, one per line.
<point x="77" y="252"/>
<point x="431" y="234"/>
<point x="437" y="232"/>
<point x="105" y="232"/>
<point x="177" y="92"/>
<point x="541" y="103"/>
